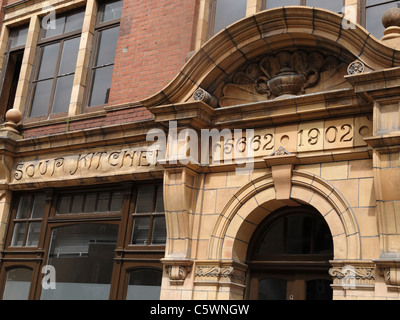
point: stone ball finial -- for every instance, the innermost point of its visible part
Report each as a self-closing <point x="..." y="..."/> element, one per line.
<point x="14" y="115"/>
<point x="391" y="18"/>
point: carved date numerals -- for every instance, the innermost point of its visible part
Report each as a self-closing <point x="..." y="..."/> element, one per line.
<point x="333" y="136"/>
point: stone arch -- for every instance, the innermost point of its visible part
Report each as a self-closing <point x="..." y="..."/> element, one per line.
<point x="256" y="200"/>
<point x="268" y="31"/>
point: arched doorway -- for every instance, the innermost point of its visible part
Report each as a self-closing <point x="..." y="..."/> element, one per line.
<point x="289" y="255"/>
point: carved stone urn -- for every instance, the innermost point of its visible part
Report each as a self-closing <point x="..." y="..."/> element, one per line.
<point x="278" y="75"/>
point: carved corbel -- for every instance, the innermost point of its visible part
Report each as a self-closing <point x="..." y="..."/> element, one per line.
<point x="177" y="270"/>
<point x="390" y="271"/>
<point x="282" y="163"/>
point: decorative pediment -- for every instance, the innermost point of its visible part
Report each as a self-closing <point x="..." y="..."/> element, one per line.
<point x="284" y="74"/>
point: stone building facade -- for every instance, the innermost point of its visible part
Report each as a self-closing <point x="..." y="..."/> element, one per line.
<point x="148" y="154"/>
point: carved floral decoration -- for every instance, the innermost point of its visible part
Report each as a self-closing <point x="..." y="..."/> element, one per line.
<point x="281" y="75"/>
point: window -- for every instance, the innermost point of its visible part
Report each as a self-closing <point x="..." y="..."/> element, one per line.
<point x="374" y="9"/>
<point x="55" y="66"/>
<point x="18" y="283"/>
<point x="97" y="232"/>
<point x="12" y="66"/>
<point x="333" y="5"/>
<point x="102" y="60"/>
<point x="224" y="13"/>
<point x="28" y="220"/>
<point x="289" y="256"/>
<point x="148" y="220"/>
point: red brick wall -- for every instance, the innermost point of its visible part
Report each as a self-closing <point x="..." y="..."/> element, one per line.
<point x="114" y="117"/>
<point x="154" y="39"/>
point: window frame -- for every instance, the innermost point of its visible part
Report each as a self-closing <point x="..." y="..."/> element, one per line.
<point x="5" y="67"/>
<point x="99" y="27"/>
<point x="41" y="44"/>
<point x="125" y="256"/>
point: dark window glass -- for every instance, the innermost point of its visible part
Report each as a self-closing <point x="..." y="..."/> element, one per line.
<point x="53" y="84"/>
<point x="145" y="197"/>
<point x="111" y="11"/>
<point x="63" y="94"/>
<point x="103" y="68"/>
<point x="144" y="284"/>
<point x="295" y="234"/>
<point x="18" y="283"/>
<point x="228" y="12"/>
<point x="83" y="256"/>
<point x="159" y="234"/>
<point x="28" y="220"/>
<point x="272" y="289"/>
<point x="141" y="230"/>
<point x="318" y="289"/>
<point x="18" y="37"/>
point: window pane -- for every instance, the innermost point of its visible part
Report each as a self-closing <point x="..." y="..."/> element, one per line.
<point x="87" y="249"/>
<point x="53" y="28"/>
<point x="116" y="201"/>
<point x="280" y="3"/>
<point x="373" y="2"/>
<point x="323" y="243"/>
<point x="24" y="206"/>
<point x="90" y="203"/>
<point x="228" y="12"/>
<point x="18" y="37"/>
<point x="77" y="203"/>
<point x="74" y="21"/>
<point x="41" y="99"/>
<point x="318" y="289"/>
<point x="69" y="56"/>
<point x="159" y="200"/>
<point x="144" y="200"/>
<point x="18" y="283"/>
<point x="299" y="231"/>
<point x="140" y="230"/>
<point x="49" y="61"/>
<point x="373" y="24"/>
<point x="39" y="204"/>
<point x="62" y="96"/>
<point x="335" y="5"/>
<point x="112" y="11"/>
<point x="64" y="205"/>
<point x="272" y="240"/>
<point x="144" y="284"/>
<point x="159" y="234"/>
<point x="107" y="46"/>
<point x="18" y="234"/>
<point x="272" y="289"/>
<point x="102" y="202"/>
<point x="33" y="234"/>
<point x="101" y="86"/>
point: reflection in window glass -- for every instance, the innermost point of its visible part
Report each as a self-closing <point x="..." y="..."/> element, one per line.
<point x="39" y="203"/>
<point x="18" y="283"/>
<point x="24" y="206"/>
<point x="112" y="11"/>
<point x="144" y="284"/>
<point x="62" y="96"/>
<point x="159" y="234"/>
<point x="18" y="234"/>
<point x="18" y="37"/>
<point x="88" y="250"/>
<point x="144" y="201"/>
<point x="33" y="234"/>
<point x="228" y="12"/>
<point x="141" y="230"/>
